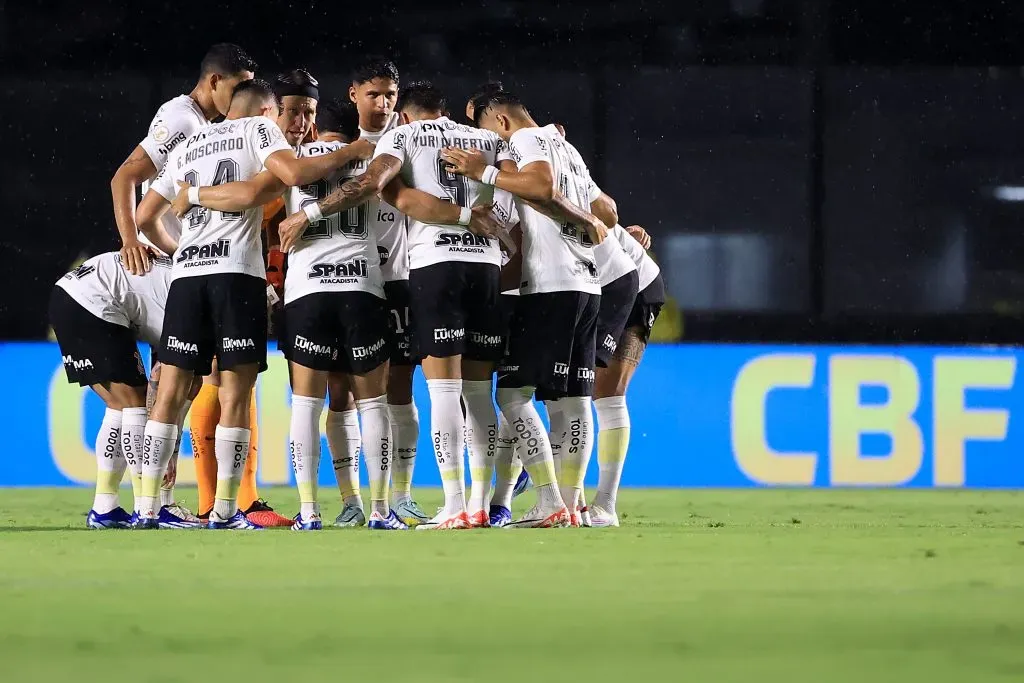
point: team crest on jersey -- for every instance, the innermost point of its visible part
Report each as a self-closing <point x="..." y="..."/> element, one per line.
<point x="160" y="132"/>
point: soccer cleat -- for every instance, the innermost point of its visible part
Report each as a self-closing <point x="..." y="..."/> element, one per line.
<point x="479" y="520"/>
<point x="261" y="514"/>
<point x="389" y="523"/>
<point x="410" y="513"/>
<point x="314" y="523"/>
<point x="444" y="521"/>
<point x="522" y="483"/>
<point x="574" y="520"/>
<point x="601" y="518"/>
<point x="237" y="522"/>
<point x="543" y="518"/>
<point x="144" y="523"/>
<point x="118" y="518"/>
<point x="174" y="516"/>
<point x="351" y="516"/>
<point x="500" y="516"/>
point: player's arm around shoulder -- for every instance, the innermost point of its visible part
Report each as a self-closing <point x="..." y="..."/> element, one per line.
<point x="240" y="195"/>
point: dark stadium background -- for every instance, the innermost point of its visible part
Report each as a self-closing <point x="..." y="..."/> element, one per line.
<point x="810" y="170"/>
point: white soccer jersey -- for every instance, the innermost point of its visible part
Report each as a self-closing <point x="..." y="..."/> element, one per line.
<point x="105" y="288"/>
<point x="387" y="221"/>
<point x="504" y="210"/>
<point x="338" y="253"/>
<point x="176" y="121"/>
<point x="647" y="269"/>
<point x="418" y="146"/>
<point x="557" y="256"/>
<point x="221" y="241"/>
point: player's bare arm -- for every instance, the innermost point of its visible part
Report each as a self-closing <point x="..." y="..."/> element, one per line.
<point x="150" y="211"/>
<point x="135" y="170"/>
<point x="352" y="193"/>
<point x="294" y="171"/>
<point x="427" y="208"/>
<point x="640" y="235"/>
<point x="604" y="207"/>
<point x="240" y="195"/>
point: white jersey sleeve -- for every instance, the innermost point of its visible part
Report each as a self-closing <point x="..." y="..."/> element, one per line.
<point x="647" y="269"/>
<point x="174" y="123"/>
<point x="393" y="144"/>
<point x="164" y="185"/>
<point x="265" y="138"/>
<point x="527" y="148"/>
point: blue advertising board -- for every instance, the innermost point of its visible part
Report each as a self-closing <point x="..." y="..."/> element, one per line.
<point x="702" y="416"/>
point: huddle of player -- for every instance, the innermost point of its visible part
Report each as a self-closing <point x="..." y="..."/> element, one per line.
<point x="409" y="239"/>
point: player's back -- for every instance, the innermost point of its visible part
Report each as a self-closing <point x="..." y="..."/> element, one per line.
<point x="104" y="287"/>
<point x="221" y="241"/>
<point x="175" y="121"/>
<point x="338" y="252"/>
<point x="420" y="144"/>
<point x="556" y="256"/>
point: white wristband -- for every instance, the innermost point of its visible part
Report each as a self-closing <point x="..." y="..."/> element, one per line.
<point x="193" y="196"/>
<point x="312" y="211"/>
<point x="490" y="175"/>
<point x="465" y="215"/>
<point x="272" y="297"/>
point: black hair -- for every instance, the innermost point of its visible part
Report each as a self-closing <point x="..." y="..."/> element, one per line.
<point x="226" y="59"/>
<point x="256" y="88"/>
<point x="297" y="82"/>
<point x="335" y="116"/>
<point x="373" y="67"/>
<point x="424" y="96"/>
<point x="501" y="98"/>
<point x="485" y="89"/>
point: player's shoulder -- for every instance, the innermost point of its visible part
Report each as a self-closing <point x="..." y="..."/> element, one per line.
<point x="179" y="111"/>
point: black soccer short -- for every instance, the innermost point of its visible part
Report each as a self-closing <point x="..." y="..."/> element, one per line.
<point x="400" y="344"/>
<point x="222" y="315"/>
<point x="94" y="350"/>
<point x="456" y="311"/>
<point x="617" y="300"/>
<point x="646" y="308"/>
<point x="337" y="331"/>
<point x="552" y="345"/>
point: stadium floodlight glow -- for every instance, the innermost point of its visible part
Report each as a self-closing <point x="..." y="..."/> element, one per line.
<point x="1009" y="193"/>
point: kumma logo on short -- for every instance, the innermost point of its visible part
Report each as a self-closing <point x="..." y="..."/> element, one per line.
<point x="82" y="364"/>
<point x="367" y="351"/>
<point x="312" y="348"/>
<point x="175" y="344"/>
<point x="444" y="334"/>
<point x="229" y="344"/>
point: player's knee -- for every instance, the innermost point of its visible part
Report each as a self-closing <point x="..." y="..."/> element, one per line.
<point x="512" y="401"/>
<point x="612" y="412"/>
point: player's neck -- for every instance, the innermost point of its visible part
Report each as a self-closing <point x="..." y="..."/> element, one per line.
<point x="329" y="137"/>
<point x="205" y="102"/>
<point x="517" y="123"/>
<point x="367" y="124"/>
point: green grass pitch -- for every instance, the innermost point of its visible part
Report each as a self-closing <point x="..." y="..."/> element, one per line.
<point x="698" y="586"/>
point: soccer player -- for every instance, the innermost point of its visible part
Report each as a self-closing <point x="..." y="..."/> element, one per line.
<point x="374" y="91"/>
<point x="222" y="68"/>
<point x="552" y="347"/>
<point x="613" y="380"/>
<point x="217" y="302"/>
<point x="98" y="311"/>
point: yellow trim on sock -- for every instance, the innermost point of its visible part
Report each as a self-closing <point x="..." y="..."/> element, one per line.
<point x="151" y="486"/>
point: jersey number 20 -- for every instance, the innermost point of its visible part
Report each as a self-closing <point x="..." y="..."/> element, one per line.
<point x="351" y="223"/>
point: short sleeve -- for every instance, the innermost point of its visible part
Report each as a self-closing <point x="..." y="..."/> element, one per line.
<point x="501" y="152"/>
<point x="164" y="184"/>
<point x="167" y="131"/>
<point x="593" y="191"/>
<point x="393" y="143"/>
<point x="504" y="208"/>
<point x="265" y="138"/>
<point x="526" y="147"/>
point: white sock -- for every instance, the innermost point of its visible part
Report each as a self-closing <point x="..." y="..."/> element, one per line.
<point x="304" y="444"/>
<point x="167" y="492"/>
<point x="482" y="439"/>
<point x="110" y="462"/>
<point x="577" y="445"/>
<point x="612" y="444"/>
<point x="345" y="442"/>
<point x="506" y="466"/>
<point x="405" y="433"/>
<point x="156" y="452"/>
<point x="133" y="428"/>
<point x="448" y="434"/>
<point x="377" y="449"/>
<point x="531" y="442"/>
<point x="231" y="446"/>
<point x="556" y="434"/>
